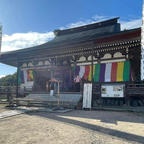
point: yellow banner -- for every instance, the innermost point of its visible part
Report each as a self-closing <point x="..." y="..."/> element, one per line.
<point x="89" y="76"/>
<point x="120" y="69"/>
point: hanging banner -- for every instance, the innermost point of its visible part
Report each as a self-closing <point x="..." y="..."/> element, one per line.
<point x="105" y="72"/>
<point x="87" y="95"/>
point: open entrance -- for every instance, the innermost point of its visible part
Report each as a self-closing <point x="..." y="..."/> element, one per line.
<point x="46" y="79"/>
<point x="42" y="77"/>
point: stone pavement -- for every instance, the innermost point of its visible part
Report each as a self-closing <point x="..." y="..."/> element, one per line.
<point x="21" y="110"/>
<point x="10" y="113"/>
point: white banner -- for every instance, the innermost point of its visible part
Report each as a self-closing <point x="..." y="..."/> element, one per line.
<point x="87" y="95"/>
<point x="108" y="72"/>
<point x="142" y="46"/>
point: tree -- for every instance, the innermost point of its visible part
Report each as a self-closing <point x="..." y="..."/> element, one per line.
<point x="9" y="80"/>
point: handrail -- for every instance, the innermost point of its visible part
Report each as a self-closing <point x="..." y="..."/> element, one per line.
<point x="8" y="86"/>
<point x="8" y="90"/>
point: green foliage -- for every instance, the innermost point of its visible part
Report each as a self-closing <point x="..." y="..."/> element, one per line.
<point x="9" y="80"/>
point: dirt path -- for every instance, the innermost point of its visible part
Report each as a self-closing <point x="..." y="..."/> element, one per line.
<point x="76" y="127"/>
<point x="3" y="107"/>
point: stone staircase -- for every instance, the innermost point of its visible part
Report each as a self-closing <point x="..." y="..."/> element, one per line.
<point x="68" y="100"/>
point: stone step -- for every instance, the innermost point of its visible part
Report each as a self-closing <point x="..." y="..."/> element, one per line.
<point x="65" y="100"/>
<point x="63" y="97"/>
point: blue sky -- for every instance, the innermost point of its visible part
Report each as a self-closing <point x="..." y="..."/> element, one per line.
<point x="31" y="22"/>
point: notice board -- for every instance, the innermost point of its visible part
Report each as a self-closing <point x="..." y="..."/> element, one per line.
<point x="113" y="90"/>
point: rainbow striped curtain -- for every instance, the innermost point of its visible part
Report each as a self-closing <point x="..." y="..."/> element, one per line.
<point x="30" y="75"/>
<point x="106" y="72"/>
<point x="24" y="76"/>
<point x="20" y="77"/>
<point x="112" y="72"/>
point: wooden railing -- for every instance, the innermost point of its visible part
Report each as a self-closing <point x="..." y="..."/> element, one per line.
<point x="7" y="89"/>
<point x="7" y="93"/>
<point x="135" y="89"/>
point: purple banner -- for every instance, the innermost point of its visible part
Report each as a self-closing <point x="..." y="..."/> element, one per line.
<point x="77" y="70"/>
<point x="102" y="72"/>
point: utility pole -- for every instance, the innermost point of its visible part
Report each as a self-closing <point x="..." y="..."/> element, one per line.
<point x="142" y="44"/>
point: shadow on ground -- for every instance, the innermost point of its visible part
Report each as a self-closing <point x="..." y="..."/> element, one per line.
<point x="102" y="117"/>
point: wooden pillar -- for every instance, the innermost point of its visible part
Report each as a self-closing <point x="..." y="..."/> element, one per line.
<point x="58" y="82"/>
<point x="126" y="96"/>
<point x="100" y="98"/>
<point x="127" y="54"/>
<point x="92" y="62"/>
<point x="92" y="71"/>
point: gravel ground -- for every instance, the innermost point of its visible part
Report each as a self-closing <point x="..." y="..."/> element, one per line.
<point x="75" y="127"/>
<point x="3" y="107"/>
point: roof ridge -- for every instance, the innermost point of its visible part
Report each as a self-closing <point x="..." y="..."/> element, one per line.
<point x="86" y="27"/>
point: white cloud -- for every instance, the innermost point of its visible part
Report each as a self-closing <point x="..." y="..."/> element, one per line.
<point x="24" y="40"/>
<point x="2" y="76"/>
<point x="77" y="24"/>
<point x="99" y="17"/>
<point x="127" y="24"/>
<point x="94" y="19"/>
<point x="131" y="24"/>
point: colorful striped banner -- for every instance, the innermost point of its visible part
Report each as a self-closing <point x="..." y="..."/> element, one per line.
<point x="102" y="72"/>
<point x="126" y="73"/>
<point x="73" y="68"/>
<point x="97" y="73"/>
<point x="21" y="77"/>
<point x="114" y="72"/>
<point x="82" y="71"/>
<point x="87" y="70"/>
<point x="120" y="69"/>
<point x="30" y="75"/>
<point x="77" y="70"/>
<point x="90" y="74"/>
<point x="110" y="72"/>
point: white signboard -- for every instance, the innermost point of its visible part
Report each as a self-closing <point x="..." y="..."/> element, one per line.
<point x="87" y="95"/>
<point x="142" y="46"/>
<point x="113" y="91"/>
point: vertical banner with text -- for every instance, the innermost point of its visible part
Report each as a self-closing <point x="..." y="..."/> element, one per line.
<point x="142" y="45"/>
